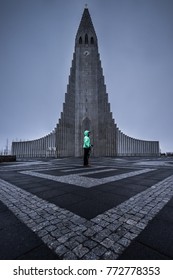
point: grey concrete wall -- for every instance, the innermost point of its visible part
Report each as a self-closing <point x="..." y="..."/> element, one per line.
<point x="43" y="147"/>
<point x="127" y="146"/>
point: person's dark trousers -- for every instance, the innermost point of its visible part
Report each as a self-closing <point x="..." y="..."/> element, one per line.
<point x="86" y="156"/>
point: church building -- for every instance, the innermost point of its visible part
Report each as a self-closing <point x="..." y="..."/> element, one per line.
<point x="86" y="107"/>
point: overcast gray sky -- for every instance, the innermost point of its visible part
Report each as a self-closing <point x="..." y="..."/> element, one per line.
<point x="136" y="48"/>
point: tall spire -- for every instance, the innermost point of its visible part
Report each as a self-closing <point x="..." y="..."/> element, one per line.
<point x="86" y="24"/>
<point x="86" y="27"/>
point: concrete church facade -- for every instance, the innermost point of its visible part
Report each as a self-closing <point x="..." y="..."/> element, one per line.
<point x="86" y="106"/>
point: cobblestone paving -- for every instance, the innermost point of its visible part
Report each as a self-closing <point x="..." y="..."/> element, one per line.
<point x="71" y="237"/>
<point x="78" y="180"/>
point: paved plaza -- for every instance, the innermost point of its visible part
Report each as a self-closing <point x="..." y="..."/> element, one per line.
<point x="118" y="208"/>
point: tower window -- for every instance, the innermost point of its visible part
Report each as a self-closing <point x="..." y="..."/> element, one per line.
<point x="92" y="40"/>
<point x="86" y="39"/>
<point x="80" y="40"/>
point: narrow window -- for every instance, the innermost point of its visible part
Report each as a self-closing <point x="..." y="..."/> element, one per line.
<point x="86" y="39"/>
<point x="80" y="40"/>
<point x="92" y="40"/>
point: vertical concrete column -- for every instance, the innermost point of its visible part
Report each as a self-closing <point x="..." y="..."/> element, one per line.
<point x="62" y="138"/>
<point x="41" y="147"/>
<point x="127" y="145"/>
<point x="46" y="149"/>
<point x="62" y="135"/>
<point x="124" y="144"/>
<point x="156" y="150"/>
<point x="21" y="144"/>
<point x="66" y="137"/>
<point x="150" y="147"/>
<point x="130" y="145"/>
<point x="143" y="148"/>
<point x="153" y="149"/>
<point x="18" y="149"/>
<point x="109" y="140"/>
<point x="38" y="147"/>
<point x="153" y="144"/>
<point x="37" y="150"/>
<point x="49" y="144"/>
<point x="114" y="140"/>
<point x="59" y="140"/>
<point x="15" y="149"/>
<point x="117" y="140"/>
<point x="26" y="147"/>
<point x="120" y="142"/>
<point x="30" y="149"/>
<point x="139" y="146"/>
<point x="34" y="148"/>
<point x="133" y="145"/>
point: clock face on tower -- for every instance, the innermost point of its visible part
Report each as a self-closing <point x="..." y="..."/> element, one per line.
<point x="86" y="53"/>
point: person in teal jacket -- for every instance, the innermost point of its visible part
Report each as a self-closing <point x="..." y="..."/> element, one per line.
<point x="86" y="146"/>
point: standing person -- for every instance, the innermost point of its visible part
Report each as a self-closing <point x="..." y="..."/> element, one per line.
<point x="86" y="147"/>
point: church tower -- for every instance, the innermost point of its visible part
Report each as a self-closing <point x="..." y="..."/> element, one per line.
<point x="86" y="107"/>
<point x="86" y="101"/>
